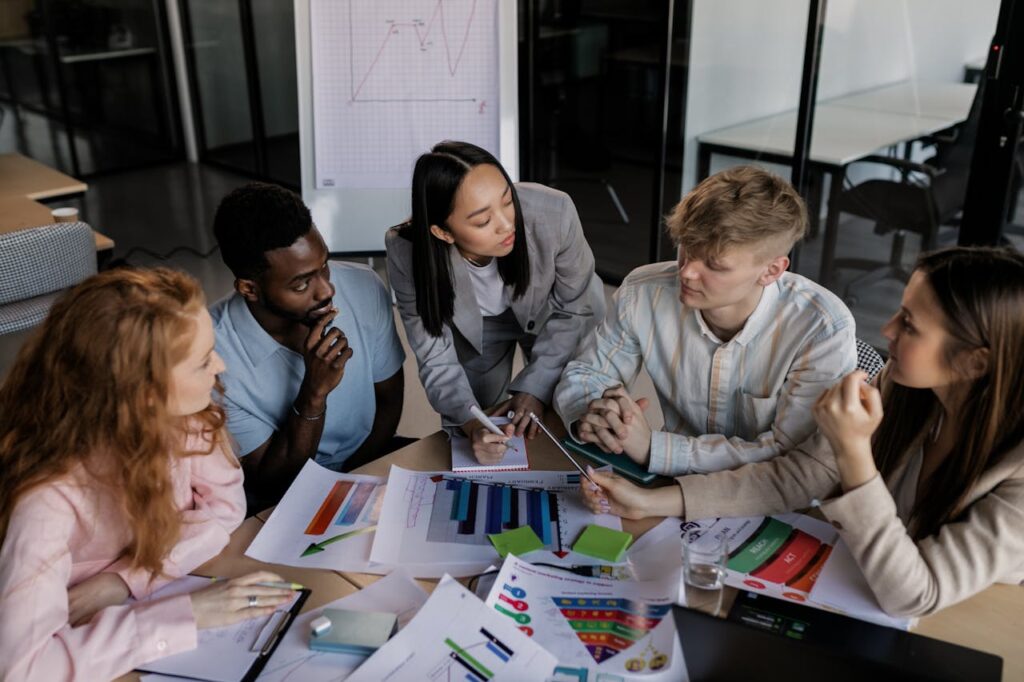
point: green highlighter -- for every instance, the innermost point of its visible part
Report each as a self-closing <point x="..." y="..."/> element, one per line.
<point x="603" y="543"/>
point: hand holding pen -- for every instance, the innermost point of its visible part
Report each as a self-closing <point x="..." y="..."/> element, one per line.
<point x="489" y="441"/>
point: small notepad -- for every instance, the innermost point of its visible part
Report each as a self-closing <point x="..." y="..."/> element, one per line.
<point x="518" y="541"/>
<point x="463" y="460"/>
<point x="603" y="543"/>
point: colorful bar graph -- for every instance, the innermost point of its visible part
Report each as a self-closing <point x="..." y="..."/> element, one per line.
<point x="322" y="519"/>
<point x="506" y="506"/>
<point x="467" y="660"/>
<point x="545" y="518"/>
<point x="355" y="504"/>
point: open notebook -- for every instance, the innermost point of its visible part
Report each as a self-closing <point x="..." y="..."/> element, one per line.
<point x="463" y="460"/>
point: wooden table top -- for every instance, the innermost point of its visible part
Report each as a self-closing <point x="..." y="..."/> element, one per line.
<point x="19" y="213"/>
<point x="25" y="177"/>
<point x="990" y="621"/>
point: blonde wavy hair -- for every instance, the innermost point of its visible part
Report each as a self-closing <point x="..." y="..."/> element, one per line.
<point x="739" y="206"/>
<point x="90" y="388"/>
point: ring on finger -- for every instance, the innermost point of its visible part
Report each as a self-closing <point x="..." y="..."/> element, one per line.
<point x="254" y="601"/>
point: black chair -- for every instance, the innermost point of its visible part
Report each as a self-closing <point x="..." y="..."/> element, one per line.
<point x="868" y="359"/>
<point x="926" y="196"/>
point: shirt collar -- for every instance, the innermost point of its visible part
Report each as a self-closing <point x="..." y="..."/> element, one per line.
<point x="763" y="314"/>
<point x="257" y="344"/>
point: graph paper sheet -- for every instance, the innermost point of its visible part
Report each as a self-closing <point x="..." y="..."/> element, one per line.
<point x="391" y="78"/>
<point x="439" y="522"/>
<point x="456" y="637"/>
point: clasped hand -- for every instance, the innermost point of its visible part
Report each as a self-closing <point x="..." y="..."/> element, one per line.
<point x="616" y="423"/>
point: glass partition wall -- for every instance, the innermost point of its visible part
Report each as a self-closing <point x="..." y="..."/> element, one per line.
<point x="86" y="85"/>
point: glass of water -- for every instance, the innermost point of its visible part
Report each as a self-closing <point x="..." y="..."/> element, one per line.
<point x="704" y="556"/>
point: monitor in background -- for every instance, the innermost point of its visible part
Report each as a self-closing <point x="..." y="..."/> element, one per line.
<point x="769" y="639"/>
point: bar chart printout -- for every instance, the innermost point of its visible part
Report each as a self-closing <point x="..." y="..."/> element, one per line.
<point x="456" y="637"/>
<point x="443" y="520"/>
<point x="325" y="520"/>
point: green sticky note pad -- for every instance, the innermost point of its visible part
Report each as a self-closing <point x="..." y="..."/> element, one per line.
<point x="518" y="541"/>
<point x="603" y="543"/>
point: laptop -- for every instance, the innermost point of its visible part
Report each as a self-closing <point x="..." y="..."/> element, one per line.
<point x="771" y="639"/>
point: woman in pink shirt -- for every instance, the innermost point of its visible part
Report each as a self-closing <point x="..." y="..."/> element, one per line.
<point x="115" y="478"/>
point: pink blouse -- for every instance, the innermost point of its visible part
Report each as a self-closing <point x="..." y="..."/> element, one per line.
<point x="71" y="529"/>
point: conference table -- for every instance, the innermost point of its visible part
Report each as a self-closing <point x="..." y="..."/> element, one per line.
<point x="24" y="184"/>
<point x="846" y="130"/>
<point x="990" y="621"/>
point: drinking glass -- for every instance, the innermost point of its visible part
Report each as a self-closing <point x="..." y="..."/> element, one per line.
<point x="704" y="556"/>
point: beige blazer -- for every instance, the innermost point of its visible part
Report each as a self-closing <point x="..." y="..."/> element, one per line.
<point x="909" y="578"/>
<point x="564" y="303"/>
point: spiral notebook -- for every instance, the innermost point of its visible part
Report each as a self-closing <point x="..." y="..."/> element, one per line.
<point x="464" y="461"/>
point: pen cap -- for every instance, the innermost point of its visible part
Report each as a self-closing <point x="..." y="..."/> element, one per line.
<point x="320" y="625"/>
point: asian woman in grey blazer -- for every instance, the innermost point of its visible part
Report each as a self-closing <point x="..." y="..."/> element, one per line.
<point x="484" y="265"/>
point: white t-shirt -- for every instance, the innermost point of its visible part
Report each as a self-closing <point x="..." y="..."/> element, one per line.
<point x="491" y="293"/>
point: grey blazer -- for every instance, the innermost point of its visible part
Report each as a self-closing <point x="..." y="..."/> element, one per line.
<point x="564" y="303"/>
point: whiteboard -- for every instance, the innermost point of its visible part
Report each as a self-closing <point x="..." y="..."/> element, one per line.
<point x="379" y="83"/>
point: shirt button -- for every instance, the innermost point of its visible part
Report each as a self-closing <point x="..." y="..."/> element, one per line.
<point x="837" y="525"/>
<point x="529" y="325"/>
<point x="161" y="645"/>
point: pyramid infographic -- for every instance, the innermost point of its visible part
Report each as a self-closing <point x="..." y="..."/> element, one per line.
<point x="609" y="626"/>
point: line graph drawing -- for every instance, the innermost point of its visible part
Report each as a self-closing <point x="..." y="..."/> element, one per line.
<point x="391" y="78"/>
<point x="422" y="30"/>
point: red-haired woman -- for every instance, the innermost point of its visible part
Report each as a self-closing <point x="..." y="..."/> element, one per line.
<point x="115" y="478"/>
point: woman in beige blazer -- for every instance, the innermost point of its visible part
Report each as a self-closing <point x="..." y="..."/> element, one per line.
<point x="484" y="265"/>
<point x="929" y="497"/>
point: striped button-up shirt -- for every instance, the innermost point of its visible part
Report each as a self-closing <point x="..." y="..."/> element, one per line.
<point x="725" y="403"/>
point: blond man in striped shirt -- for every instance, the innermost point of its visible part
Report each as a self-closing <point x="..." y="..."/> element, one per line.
<point x="737" y="347"/>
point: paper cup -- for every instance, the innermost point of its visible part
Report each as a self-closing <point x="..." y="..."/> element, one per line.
<point x="65" y="215"/>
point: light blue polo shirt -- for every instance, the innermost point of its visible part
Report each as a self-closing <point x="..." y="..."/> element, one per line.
<point x="262" y="378"/>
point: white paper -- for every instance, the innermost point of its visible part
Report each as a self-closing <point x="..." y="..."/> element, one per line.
<point x="418" y="525"/>
<point x="463" y="459"/>
<point x="609" y="627"/>
<point x="452" y="634"/>
<point x="842" y="586"/>
<point x="293" y="660"/>
<point x="391" y="78"/>
<point x="223" y="654"/>
<point x="796" y="553"/>
<point x="327" y="510"/>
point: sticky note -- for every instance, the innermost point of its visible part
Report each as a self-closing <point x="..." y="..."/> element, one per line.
<point x="602" y="543"/>
<point x="518" y="541"/>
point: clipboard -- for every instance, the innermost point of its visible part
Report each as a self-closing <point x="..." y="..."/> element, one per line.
<point x="271" y="646"/>
<point x="224" y="658"/>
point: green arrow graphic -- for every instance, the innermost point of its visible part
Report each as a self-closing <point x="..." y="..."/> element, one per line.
<point x="320" y="546"/>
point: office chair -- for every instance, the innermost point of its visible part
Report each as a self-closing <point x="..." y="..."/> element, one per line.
<point x="868" y="359"/>
<point x="926" y="196"/>
<point x="36" y="266"/>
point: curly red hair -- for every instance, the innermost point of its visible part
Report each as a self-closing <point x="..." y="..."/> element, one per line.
<point x="90" y="388"/>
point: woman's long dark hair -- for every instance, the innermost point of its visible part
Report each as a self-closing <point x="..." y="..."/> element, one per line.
<point x="981" y="293"/>
<point x="435" y="181"/>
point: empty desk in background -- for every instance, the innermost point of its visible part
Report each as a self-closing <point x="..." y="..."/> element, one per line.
<point x="846" y="130"/>
<point x="25" y="182"/>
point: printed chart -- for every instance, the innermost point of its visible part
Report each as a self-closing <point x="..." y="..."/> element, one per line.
<point x="794" y="557"/>
<point x="393" y="77"/>
<point x="596" y="626"/>
<point x="441" y="520"/>
<point x="456" y="637"/>
<point x="325" y="520"/>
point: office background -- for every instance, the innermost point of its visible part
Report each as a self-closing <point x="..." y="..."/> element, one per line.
<point x="162" y="106"/>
